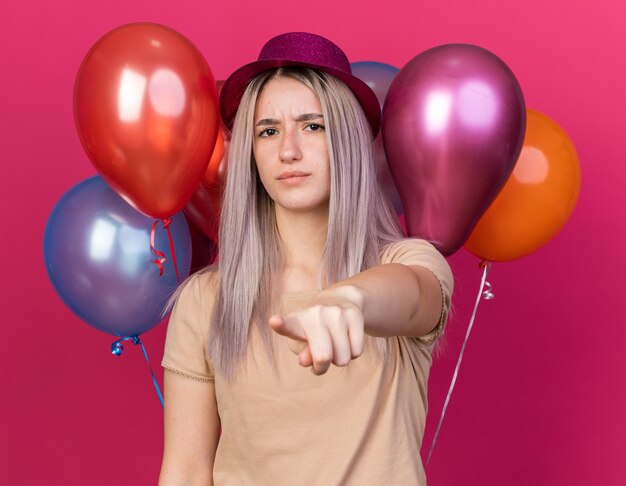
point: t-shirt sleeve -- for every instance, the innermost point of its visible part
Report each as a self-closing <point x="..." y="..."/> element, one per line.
<point x="187" y="335"/>
<point x="420" y="252"/>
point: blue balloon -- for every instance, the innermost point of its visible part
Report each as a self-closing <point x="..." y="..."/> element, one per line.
<point x="377" y="75"/>
<point x="97" y="254"/>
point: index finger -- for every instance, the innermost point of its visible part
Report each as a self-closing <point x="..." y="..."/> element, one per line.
<point x="287" y="326"/>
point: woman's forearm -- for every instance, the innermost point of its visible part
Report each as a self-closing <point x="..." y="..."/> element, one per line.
<point x="395" y="299"/>
<point x="385" y="301"/>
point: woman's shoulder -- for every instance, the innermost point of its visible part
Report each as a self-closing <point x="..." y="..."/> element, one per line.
<point x="393" y="251"/>
<point x="207" y="280"/>
<point x="197" y="291"/>
<point x="417" y="251"/>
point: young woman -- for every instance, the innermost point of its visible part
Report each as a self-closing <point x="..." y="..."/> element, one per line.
<point x="310" y="341"/>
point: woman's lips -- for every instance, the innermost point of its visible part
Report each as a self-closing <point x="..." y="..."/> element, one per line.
<point x="293" y="176"/>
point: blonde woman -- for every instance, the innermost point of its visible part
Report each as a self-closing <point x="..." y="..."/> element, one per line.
<point x="302" y="357"/>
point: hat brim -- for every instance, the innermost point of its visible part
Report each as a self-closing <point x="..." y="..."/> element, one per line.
<point x="235" y="85"/>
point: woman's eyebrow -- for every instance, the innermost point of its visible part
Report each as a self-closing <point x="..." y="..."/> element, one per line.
<point x="309" y="117"/>
<point x="304" y="117"/>
<point x="267" y="121"/>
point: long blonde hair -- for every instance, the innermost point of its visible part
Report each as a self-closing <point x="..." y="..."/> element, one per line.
<point x="361" y="219"/>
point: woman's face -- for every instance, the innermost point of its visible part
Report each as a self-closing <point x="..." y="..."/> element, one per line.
<point x="290" y="146"/>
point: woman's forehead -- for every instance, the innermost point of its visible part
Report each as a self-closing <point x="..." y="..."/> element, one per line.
<point x="286" y="96"/>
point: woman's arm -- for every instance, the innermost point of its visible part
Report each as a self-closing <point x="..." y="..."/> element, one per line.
<point x="192" y="430"/>
<point x="395" y="299"/>
<point x="386" y="300"/>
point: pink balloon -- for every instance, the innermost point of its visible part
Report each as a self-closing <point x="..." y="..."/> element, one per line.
<point x="453" y="126"/>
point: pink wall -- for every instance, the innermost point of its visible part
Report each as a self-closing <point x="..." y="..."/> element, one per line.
<point x="541" y="393"/>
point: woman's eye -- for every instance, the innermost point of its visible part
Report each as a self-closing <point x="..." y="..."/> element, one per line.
<point x="315" y="127"/>
<point x="268" y="132"/>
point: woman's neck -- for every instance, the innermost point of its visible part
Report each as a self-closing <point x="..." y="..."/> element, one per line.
<point x="303" y="240"/>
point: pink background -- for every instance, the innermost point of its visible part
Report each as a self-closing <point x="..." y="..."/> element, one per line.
<point x="541" y="393"/>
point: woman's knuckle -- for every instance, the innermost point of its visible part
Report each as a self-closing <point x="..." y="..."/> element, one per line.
<point x="323" y="358"/>
<point x="356" y="354"/>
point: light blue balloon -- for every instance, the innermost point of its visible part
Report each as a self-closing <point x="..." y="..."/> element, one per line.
<point x="97" y="254"/>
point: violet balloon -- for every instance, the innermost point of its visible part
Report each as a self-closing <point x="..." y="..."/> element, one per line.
<point x="453" y="126"/>
<point x="98" y="257"/>
<point x="379" y="76"/>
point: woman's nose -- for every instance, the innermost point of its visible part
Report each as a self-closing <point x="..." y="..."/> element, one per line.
<point x="290" y="147"/>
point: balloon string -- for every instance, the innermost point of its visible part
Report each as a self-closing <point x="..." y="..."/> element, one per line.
<point x="117" y="349"/>
<point x="487" y="295"/>
<point x="161" y="256"/>
<point x="166" y="225"/>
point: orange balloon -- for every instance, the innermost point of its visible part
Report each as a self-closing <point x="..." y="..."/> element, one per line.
<point x="215" y="174"/>
<point x="203" y="209"/>
<point x="146" y="110"/>
<point x="215" y="171"/>
<point x="537" y="199"/>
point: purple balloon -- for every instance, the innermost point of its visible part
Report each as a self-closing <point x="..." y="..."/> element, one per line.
<point x="453" y="126"/>
<point x="97" y="253"/>
<point x="379" y="76"/>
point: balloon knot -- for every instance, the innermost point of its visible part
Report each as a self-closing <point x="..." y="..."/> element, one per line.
<point x="117" y="349"/>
